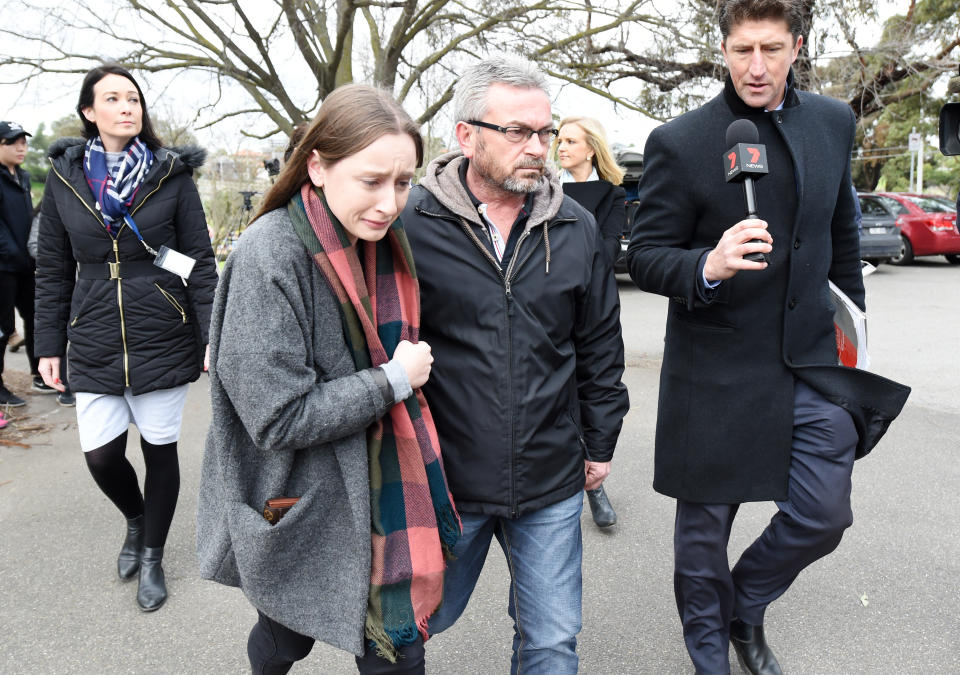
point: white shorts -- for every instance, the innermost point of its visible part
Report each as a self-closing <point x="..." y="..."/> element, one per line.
<point x="156" y="414"/>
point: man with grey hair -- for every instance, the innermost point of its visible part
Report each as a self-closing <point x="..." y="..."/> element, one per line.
<point x="524" y="319"/>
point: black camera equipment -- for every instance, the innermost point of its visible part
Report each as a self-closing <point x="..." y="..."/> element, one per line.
<point x="273" y="167"/>
<point x="228" y="242"/>
<point x="247" y="196"/>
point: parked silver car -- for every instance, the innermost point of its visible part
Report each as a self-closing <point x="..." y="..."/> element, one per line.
<point x="879" y="232"/>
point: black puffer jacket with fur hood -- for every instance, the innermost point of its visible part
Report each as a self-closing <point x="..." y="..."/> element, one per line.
<point x="148" y="328"/>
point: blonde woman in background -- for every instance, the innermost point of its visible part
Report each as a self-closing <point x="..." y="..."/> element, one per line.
<point x="591" y="177"/>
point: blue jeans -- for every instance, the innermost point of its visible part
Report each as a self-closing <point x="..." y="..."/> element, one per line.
<point x="543" y="551"/>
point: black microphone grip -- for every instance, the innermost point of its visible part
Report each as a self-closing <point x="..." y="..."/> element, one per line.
<point x="747" y="159"/>
<point x="751" y="199"/>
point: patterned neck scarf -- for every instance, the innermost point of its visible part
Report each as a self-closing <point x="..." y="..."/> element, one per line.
<point x="115" y="193"/>
<point x="414" y="524"/>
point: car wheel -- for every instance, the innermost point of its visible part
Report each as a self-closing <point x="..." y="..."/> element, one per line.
<point x="905" y="257"/>
<point x="953" y="258"/>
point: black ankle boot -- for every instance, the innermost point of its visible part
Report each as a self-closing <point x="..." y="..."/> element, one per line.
<point x="128" y="562"/>
<point x="152" y="591"/>
<point x="600" y="507"/>
<point x="752" y="650"/>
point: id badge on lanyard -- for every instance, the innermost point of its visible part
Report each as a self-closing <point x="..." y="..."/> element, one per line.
<point x="166" y="258"/>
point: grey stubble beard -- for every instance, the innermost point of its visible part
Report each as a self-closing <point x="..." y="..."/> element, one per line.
<point x="516" y="186"/>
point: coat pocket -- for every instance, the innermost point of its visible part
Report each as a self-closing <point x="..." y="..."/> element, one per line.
<point x="703" y="323"/>
<point x="265" y="553"/>
<point x="262" y="550"/>
<point x="173" y="302"/>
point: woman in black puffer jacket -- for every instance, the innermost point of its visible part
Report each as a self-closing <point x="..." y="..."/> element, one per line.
<point x="137" y="332"/>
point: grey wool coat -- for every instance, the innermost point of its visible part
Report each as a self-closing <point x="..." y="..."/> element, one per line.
<point x="290" y="413"/>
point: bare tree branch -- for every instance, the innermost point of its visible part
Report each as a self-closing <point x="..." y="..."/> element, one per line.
<point x="287" y="55"/>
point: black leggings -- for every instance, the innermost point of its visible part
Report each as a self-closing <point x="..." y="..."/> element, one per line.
<point x="115" y="475"/>
<point x="273" y="648"/>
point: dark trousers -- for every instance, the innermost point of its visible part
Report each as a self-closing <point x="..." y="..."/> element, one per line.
<point x="273" y="649"/>
<point x="808" y="526"/>
<point x="16" y="291"/>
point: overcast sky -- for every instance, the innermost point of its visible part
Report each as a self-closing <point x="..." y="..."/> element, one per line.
<point x="178" y="96"/>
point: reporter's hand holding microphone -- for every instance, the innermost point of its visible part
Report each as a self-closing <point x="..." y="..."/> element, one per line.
<point x="727" y="258"/>
<point x="745" y="245"/>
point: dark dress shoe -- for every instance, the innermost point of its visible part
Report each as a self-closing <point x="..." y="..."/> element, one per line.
<point x="152" y="591"/>
<point x="752" y="650"/>
<point x="128" y="562"/>
<point x="600" y="507"/>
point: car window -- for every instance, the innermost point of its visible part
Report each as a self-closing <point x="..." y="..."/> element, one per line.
<point x="930" y="205"/>
<point x="895" y="207"/>
<point x="872" y="207"/>
<point x="949" y="204"/>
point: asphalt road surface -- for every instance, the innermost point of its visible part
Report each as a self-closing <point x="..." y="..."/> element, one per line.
<point x="887" y="601"/>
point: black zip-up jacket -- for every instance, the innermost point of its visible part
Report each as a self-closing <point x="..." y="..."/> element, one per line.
<point x="145" y="330"/>
<point x="15" y="216"/>
<point x="526" y="381"/>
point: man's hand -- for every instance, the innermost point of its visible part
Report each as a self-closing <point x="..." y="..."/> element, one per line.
<point x="596" y="473"/>
<point x="49" y="369"/>
<point x="727" y="258"/>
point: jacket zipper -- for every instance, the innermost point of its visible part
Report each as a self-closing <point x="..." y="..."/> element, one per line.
<point x="159" y="185"/>
<point x="507" y="279"/>
<point x="508" y="296"/>
<point x="508" y="292"/>
<point x="173" y="301"/>
<point x="116" y="256"/>
<point x="123" y="324"/>
<point x="480" y="247"/>
<point x="72" y="189"/>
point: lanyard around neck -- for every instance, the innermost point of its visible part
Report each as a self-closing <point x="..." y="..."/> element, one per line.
<point x="133" y="226"/>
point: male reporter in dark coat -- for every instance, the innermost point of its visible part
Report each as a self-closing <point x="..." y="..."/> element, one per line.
<point x="752" y="404"/>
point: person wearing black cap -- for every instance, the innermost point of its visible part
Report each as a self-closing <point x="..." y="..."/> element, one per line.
<point x="16" y="264"/>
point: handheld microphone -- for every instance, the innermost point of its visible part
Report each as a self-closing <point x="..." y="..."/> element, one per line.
<point x="744" y="162"/>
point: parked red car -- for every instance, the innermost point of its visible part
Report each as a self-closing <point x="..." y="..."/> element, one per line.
<point x="928" y="226"/>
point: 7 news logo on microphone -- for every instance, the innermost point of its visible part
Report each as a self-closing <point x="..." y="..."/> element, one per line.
<point x="746" y="159"/>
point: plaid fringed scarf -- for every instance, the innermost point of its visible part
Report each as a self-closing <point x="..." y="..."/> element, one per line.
<point x="414" y="524"/>
<point x="114" y="194"/>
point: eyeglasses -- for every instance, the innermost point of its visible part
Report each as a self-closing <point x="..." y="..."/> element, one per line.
<point x="518" y="134"/>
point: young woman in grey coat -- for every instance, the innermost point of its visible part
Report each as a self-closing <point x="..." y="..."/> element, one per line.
<point x="315" y="376"/>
